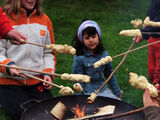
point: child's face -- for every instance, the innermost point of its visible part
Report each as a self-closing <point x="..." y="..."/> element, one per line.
<point x="91" y="42"/>
<point x="28" y="4"/>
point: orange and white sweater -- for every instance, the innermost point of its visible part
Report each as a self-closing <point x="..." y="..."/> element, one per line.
<point x="38" y="29"/>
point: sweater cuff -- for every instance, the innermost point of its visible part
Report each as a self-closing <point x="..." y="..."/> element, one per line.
<point x="8" y="69"/>
<point x="49" y="70"/>
<point x="151" y="108"/>
<point x="117" y="92"/>
<point x="5" y="62"/>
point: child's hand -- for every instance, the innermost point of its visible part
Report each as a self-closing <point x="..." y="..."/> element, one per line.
<point x="16" y="37"/>
<point x="16" y="72"/>
<point x="157" y="86"/>
<point x="138" y="39"/>
<point x="147" y="100"/>
<point x="49" y="79"/>
<point x="120" y="96"/>
<point x="143" y="25"/>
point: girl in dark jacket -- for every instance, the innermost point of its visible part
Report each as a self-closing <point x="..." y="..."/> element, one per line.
<point x="154" y="50"/>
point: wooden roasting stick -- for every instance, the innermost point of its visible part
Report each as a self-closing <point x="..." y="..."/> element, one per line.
<point x="137" y="32"/>
<point x="94" y="95"/>
<point x="132" y="32"/>
<point x="64" y="76"/>
<point x="63" y="49"/>
<point x="63" y="91"/>
<point x="143" y="46"/>
<point x="123" y="114"/>
<point x="109" y="58"/>
<point x="112" y="116"/>
<point x="31" y="43"/>
<point x="31" y="76"/>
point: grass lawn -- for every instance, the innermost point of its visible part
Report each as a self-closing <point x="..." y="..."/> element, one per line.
<point x="112" y="17"/>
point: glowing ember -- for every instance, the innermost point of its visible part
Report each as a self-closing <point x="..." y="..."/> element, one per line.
<point x="89" y="101"/>
<point x="79" y="113"/>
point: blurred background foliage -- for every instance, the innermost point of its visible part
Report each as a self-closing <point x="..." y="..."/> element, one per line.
<point x="112" y="17"/>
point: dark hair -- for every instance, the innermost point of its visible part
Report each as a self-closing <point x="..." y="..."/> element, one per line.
<point x="80" y="47"/>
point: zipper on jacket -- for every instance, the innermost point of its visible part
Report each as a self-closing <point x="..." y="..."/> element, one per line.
<point x="25" y="82"/>
<point x="28" y="20"/>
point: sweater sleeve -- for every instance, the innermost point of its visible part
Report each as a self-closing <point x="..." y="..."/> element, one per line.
<point x="154" y="14"/>
<point x="152" y="113"/>
<point x="5" y="27"/>
<point x="3" y="59"/>
<point x="77" y="66"/>
<point x="150" y="29"/>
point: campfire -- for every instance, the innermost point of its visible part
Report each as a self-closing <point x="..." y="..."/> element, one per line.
<point x="60" y="111"/>
<point x="78" y="112"/>
<point x="64" y="107"/>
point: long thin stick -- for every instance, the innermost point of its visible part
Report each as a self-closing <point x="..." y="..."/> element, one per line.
<point x="151" y="33"/>
<point x="25" y="69"/>
<point x="35" y="44"/>
<point x="143" y="46"/>
<point x="116" y="68"/>
<point x="31" y="76"/>
<point x="123" y="114"/>
<point x="109" y="117"/>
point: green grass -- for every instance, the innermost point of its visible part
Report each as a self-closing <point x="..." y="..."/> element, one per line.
<point x="112" y="17"/>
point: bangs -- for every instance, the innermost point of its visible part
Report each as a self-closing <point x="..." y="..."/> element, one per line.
<point x="90" y="31"/>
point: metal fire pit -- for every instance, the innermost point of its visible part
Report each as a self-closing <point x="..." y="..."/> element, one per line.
<point x="41" y="110"/>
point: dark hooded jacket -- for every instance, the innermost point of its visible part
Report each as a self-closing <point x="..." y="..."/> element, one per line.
<point x="154" y="15"/>
<point x="152" y="113"/>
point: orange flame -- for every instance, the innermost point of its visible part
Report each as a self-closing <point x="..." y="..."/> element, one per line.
<point x="79" y="113"/>
<point x="89" y="101"/>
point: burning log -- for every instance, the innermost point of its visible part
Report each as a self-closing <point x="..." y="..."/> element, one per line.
<point x="78" y="112"/>
<point x="60" y="111"/>
<point x="106" y="110"/>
